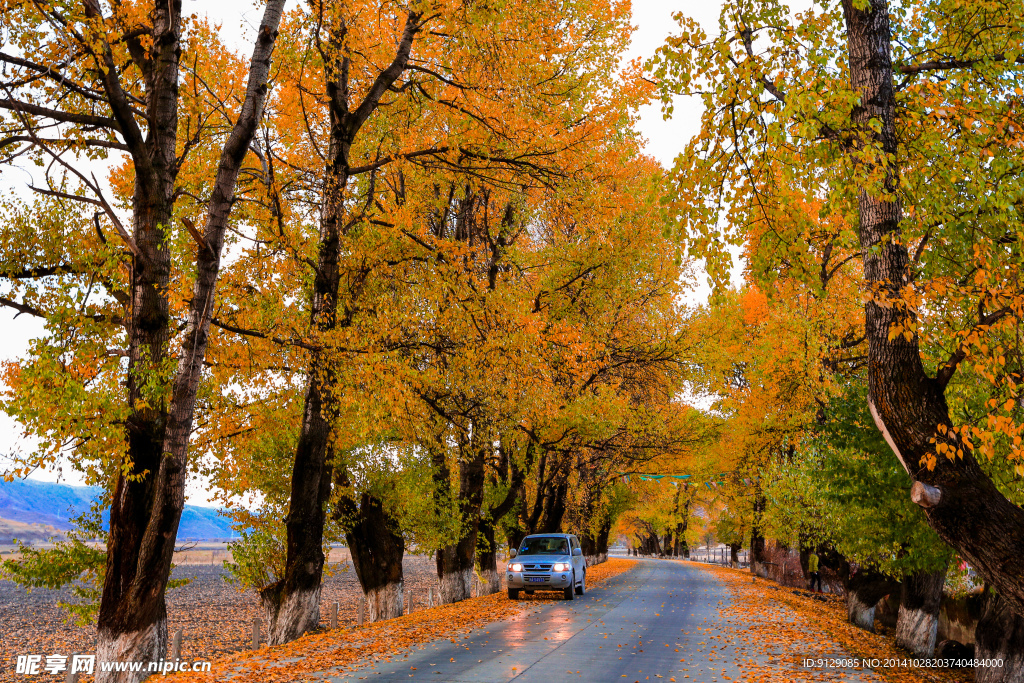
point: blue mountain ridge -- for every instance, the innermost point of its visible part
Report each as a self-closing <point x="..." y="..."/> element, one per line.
<point x="39" y="502"/>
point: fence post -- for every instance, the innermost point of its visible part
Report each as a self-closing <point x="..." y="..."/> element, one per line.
<point x="256" y="633"/>
<point x="360" y="611"/>
<point x="176" y="646"/>
<point x="430" y="596"/>
<point x="334" y="615"/>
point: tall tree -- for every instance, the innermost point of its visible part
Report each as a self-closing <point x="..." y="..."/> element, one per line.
<point x="913" y="135"/>
<point x="113" y="81"/>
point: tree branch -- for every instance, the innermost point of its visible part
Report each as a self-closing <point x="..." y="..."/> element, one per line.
<point x="217" y="322"/>
<point x="945" y="372"/>
<point x="21" y="308"/>
<point x="945" y="64"/>
<point x="356" y="170"/>
<point x="42" y="271"/>
<point x="57" y="115"/>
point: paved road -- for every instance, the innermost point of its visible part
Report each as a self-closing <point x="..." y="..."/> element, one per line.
<point x="657" y="620"/>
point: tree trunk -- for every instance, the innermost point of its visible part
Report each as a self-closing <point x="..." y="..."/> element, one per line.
<point x="487" y="547"/>
<point x="734" y="554"/>
<point x="918" y="621"/>
<point x="681" y="549"/>
<point x="863" y="591"/>
<point x="487" y="558"/>
<point x="146" y="506"/>
<point x="999" y="635"/>
<point x="554" y="509"/>
<point x="377" y="546"/>
<point x="960" y="501"/>
<point x="292" y="605"/>
<point x="602" y="541"/>
<point x="757" y="540"/>
<point x="455" y="563"/>
<point x="666" y="544"/>
<point x="653" y="546"/>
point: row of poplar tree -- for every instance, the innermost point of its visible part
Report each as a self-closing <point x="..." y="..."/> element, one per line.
<point x="404" y="277"/>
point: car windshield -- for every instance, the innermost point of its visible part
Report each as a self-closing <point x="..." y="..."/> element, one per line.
<point x="544" y="545"/>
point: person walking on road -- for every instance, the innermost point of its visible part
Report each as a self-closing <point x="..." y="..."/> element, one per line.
<point x="812" y="569"/>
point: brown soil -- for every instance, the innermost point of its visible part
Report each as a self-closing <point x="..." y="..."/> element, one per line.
<point x="215" y="617"/>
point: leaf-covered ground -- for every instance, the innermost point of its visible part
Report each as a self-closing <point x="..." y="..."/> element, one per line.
<point x="214" y="616"/>
<point x="302" y="659"/>
<point x="782" y="626"/>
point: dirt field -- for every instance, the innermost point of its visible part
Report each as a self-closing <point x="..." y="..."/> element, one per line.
<point x="216" y="618"/>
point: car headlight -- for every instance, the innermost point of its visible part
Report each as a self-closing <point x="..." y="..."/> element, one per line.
<point x="516" y="567"/>
<point x="559" y="567"/>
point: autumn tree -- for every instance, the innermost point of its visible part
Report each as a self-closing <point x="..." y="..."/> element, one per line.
<point x="81" y="81"/>
<point x="904" y="120"/>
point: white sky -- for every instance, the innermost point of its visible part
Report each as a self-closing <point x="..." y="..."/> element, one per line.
<point x="665" y="139"/>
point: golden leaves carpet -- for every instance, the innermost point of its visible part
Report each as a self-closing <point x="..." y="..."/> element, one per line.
<point x="777" y="627"/>
<point x="308" y="657"/>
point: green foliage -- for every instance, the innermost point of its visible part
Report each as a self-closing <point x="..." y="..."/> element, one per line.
<point x="843" y="486"/>
<point x="78" y="562"/>
<point x="258" y="558"/>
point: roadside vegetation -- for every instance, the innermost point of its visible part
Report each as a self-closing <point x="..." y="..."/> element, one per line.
<point x="402" y="277"/>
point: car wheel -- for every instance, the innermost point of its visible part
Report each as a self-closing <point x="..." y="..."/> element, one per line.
<point x="513" y="594"/>
<point x="582" y="588"/>
<point x="570" y="592"/>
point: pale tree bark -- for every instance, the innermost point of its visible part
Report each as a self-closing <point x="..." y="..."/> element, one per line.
<point x="292" y="605"/>
<point x="377" y="548"/>
<point x="960" y="501"/>
<point x="455" y="563"/>
<point x="918" y="621"/>
<point x="864" y="588"/>
<point x="999" y="635"/>
<point x="146" y="509"/>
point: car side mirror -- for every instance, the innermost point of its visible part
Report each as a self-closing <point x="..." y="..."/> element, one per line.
<point x="512" y="553"/>
<point x="577" y="552"/>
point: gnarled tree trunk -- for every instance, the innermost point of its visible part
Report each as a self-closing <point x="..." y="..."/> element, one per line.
<point x="377" y="547"/>
<point x="864" y="589"/>
<point x="487" y="547"/>
<point x="455" y="563"/>
<point x="918" y="620"/>
<point x="999" y="635"/>
<point x="909" y="407"/>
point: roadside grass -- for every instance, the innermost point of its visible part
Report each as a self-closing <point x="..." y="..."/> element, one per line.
<point x="327" y="653"/>
<point x="820" y="625"/>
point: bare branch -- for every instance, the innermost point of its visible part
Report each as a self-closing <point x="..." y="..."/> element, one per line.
<point x="21" y="308"/>
<point x="356" y="170"/>
<point x="57" y="115"/>
<point x="945" y="64"/>
<point x="217" y="322"/>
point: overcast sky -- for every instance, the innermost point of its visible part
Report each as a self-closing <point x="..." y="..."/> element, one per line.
<point x="665" y="139"/>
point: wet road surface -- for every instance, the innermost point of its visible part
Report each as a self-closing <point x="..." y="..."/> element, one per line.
<point x="654" y="621"/>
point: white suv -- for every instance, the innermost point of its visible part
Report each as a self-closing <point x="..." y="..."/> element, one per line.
<point x="547" y="562"/>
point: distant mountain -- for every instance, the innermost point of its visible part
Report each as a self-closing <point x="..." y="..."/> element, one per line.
<point x="39" y="502"/>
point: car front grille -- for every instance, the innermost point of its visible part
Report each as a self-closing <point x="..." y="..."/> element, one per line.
<point x="537" y="567"/>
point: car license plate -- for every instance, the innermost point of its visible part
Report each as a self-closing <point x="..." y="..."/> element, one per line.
<point x="535" y="579"/>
